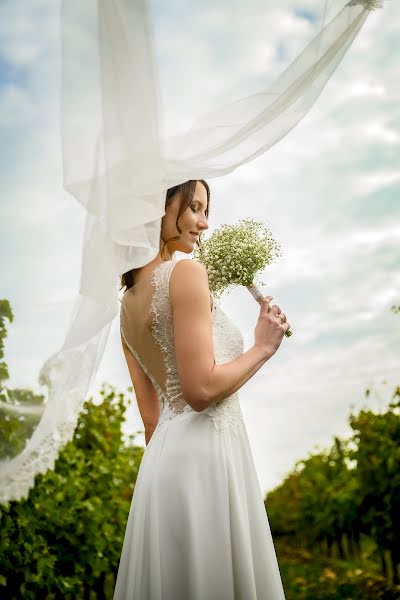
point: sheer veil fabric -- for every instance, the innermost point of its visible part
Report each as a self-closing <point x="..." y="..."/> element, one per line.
<point x="118" y="163"/>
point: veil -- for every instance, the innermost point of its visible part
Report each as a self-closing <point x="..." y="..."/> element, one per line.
<point x="118" y="163"/>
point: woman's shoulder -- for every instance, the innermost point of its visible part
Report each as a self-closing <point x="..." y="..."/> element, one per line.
<point x="188" y="278"/>
<point x="188" y="273"/>
<point x="188" y="267"/>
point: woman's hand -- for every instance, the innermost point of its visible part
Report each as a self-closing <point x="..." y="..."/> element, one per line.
<point x="270" y="329"/>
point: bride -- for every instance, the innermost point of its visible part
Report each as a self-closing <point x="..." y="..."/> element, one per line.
<point x="197" y="527"/>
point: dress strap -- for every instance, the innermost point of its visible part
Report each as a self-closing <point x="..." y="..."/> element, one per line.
<point x="162" y="327"/>
<point x="163" y="334"/>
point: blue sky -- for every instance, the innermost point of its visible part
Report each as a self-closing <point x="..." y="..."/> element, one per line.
<point x="329" y="192"/>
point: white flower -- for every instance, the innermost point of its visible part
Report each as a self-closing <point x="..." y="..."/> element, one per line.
<point x="234" y="254"/>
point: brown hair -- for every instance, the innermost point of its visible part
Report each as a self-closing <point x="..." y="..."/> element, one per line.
<point x="186" y="190"/>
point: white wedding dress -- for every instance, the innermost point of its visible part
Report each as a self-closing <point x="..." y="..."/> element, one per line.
<point x="197" y="527"/>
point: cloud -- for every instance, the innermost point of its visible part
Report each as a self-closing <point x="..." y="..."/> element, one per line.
<point x="329" y="191"/>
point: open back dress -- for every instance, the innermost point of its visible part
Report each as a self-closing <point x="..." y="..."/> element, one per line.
<point x="197" y="527"/>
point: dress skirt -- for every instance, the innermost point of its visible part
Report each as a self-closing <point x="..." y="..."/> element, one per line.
<point x="197" y="527"/>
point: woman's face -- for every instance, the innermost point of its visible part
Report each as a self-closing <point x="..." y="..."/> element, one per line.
<point x="191" y="222"/>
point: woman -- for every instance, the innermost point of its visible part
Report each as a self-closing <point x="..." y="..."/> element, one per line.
<point x="197" y="528"/>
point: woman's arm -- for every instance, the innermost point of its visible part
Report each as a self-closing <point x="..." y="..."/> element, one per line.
<point x="203" y="382"/>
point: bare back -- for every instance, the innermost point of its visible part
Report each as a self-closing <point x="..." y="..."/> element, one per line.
<point x="147" y="327"/>
<point x="141" y="317"/>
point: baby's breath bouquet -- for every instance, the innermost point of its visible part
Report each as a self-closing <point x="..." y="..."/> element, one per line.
<point x="234" y="254"/>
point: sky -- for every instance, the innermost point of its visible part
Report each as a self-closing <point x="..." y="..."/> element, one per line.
<point x="329" y="192"/>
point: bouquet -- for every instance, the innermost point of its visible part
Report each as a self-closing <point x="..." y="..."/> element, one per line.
<point x="234" y="254"/>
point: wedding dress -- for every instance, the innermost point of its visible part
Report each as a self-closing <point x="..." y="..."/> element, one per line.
<point x="197" y="527"/>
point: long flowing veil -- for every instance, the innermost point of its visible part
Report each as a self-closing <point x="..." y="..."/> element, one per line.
<point x="118" y="163"/>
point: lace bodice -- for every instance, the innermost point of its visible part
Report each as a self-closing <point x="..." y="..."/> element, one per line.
<point x="228" y="344"/>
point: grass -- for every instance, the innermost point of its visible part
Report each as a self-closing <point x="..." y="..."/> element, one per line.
<point x="308" y="576"/>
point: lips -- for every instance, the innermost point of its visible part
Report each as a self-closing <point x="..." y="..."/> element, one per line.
<point x="196" y="235"/>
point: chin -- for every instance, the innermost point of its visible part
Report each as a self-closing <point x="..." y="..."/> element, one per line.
<point x="187" y="249"/>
